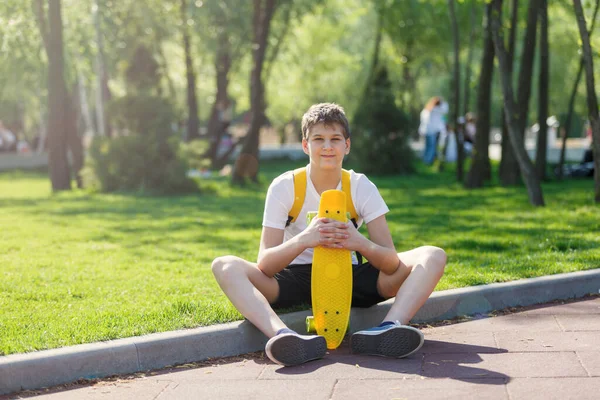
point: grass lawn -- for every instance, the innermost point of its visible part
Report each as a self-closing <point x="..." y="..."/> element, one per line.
<point x="79" y="267"/>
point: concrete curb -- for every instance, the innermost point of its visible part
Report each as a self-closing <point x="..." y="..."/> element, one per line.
<point x="54" y="367"/>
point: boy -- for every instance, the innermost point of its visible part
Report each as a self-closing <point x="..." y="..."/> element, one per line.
<point x="281" y="276"/>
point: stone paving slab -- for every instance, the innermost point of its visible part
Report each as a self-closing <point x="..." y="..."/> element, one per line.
<point x="578" y="308"/>
<point x="591" y="362"/>
<point x="554" y="388"/>
<point x="258" y="389"/>
<point x="246" y="369"/>
<point x="421" y="389"/>
<point x="337" y="366"/>
<point x="517" y="365"/>
<point x="484" y="358"/>
<point x="525" y="323"/>
<point x="123" y="390"/>
<point x="461" y="342"/>
<point x="547" y="341"/>
<point x="579" y="322"/>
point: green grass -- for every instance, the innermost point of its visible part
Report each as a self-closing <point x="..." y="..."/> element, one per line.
<point x="80" y="267"/>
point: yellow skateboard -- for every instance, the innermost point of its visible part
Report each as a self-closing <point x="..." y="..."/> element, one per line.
<point x="331" y="284"/>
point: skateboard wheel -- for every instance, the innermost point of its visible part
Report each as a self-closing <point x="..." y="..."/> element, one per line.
<point x="310" y="325"/>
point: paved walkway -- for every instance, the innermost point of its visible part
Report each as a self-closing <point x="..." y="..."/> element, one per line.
<point x="544" y="352"/>
<point x="574" y="152"/>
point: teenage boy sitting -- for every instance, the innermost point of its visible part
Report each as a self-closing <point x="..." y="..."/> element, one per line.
<point x="281" y="276"/>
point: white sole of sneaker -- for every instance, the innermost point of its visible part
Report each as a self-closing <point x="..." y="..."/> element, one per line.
<point x="288" y="349"/>
<point x="398" y="342"/>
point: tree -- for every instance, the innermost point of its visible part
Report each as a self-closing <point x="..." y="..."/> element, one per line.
<point x="524" y="79"/>
<point x="571" y="106"/>
<point x="60" y="175"/>
<point x="467" y="88"/>
<point x="61" y="103"/>
<point x="480" y="167"/>
<point x="516" y="116"/>
<point x="592" y="100"/>
<point x="192" y="104"/>
<point x="246" y="165"/>
<point x="217" y="124"/>
<point x="455" y="104"/>
<point x="101" y="75"/>
<point x="509" y="168"/>
<point x="542" y="137"/>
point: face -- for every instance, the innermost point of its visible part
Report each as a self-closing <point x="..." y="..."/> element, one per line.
<point x="326" y="146"/>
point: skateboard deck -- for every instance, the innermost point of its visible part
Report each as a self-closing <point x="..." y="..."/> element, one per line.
<point x="331" y="282"/>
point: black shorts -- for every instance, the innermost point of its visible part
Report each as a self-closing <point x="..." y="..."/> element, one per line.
<point x="294" y="286"/>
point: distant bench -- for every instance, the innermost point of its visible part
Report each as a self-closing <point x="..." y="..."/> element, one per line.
<point x="22" y="161"/>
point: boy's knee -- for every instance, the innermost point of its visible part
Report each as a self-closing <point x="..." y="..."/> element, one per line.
<point x="223" y="266"/>
<point x="437" y="257"/>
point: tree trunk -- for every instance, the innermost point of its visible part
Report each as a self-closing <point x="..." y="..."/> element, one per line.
<point x="217" y="124"/>
<point x="509" y="168"/>
<point x="107" y="97"/>
<point x="541" y="156"/>
<point x="514" y="117"/>
<point x="100" y="72"/>
<point x="467" y="87"/>
<point x="43" y="129"/>
<point x="57" y="93"/>
<point x="480" y="167"/>
<point x="278" y="41"/>
<point x="84" y="106"/>
<point x="527" y="59"/>
<point x="74" y="143"/>
<point x="567" y="126"/>
<point x="592" y="100"/>
<point x="192" y="122"/>
<point x="246" y="165"/>
<point x="456" y="95"/>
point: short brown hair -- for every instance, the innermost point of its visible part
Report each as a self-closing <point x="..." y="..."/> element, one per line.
<point x="327" y="114"/>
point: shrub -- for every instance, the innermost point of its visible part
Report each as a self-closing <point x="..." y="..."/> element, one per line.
<point x="193" y="153"/>
<point x="381" y="131"/>
<point x="142" y="114"/>
<point x="133" y="163"/>
<point x="147" y="157"/>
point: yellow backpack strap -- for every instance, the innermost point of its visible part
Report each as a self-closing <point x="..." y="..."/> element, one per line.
<point x="349" y="203"/>
<point x="299" y="194"/>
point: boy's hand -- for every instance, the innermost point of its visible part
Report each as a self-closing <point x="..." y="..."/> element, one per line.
<point x="339" y="235"/>
<point x="325" y="232"/>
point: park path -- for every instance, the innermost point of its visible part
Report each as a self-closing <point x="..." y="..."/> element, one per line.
<point x="574" y="152"/>
<point x="543" y="352"/>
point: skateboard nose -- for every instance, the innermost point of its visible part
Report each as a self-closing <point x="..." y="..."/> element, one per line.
<point x="333" y="197"/>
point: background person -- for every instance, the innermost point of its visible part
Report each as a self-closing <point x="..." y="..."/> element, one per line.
<point x="432" y="126"/>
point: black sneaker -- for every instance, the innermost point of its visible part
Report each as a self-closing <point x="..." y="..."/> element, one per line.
<point x="288" y="348"/>
<point x="390" y="339"/>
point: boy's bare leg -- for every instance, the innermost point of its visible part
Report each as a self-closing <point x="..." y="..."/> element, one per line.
<point x="413" y="282"/>
<point x="420" y="270"/>
<point x="250" y="291"/>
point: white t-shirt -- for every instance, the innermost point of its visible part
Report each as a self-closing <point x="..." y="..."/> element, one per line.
<point x="280" y="198"/>
<point x="432" y="122"/>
